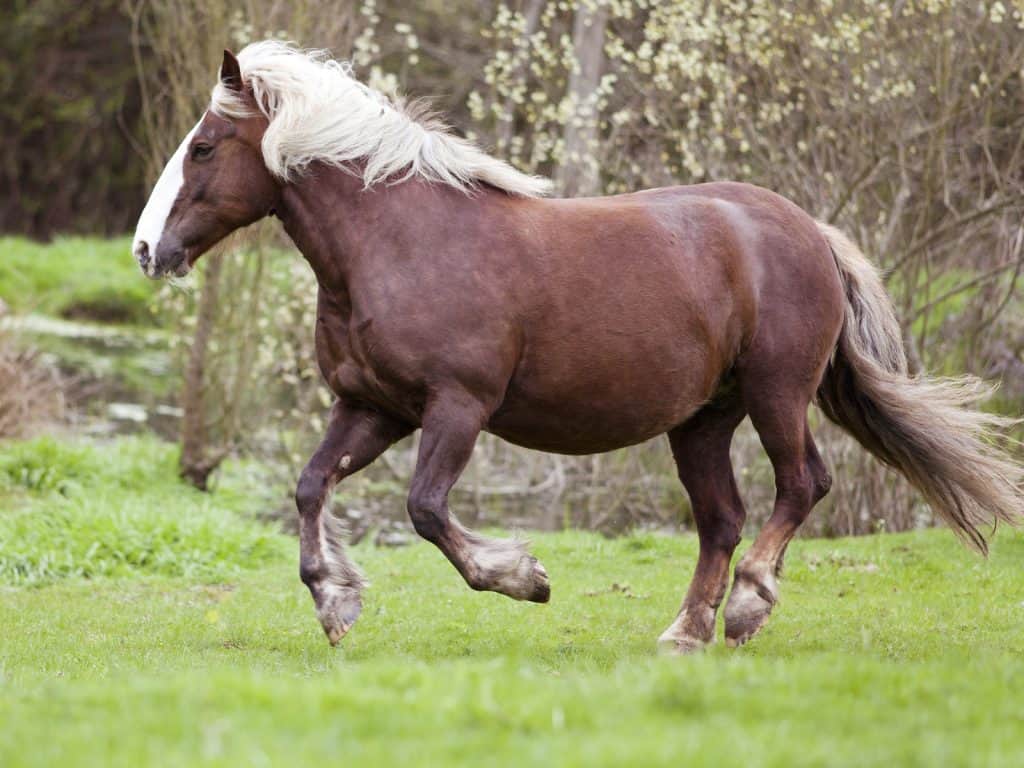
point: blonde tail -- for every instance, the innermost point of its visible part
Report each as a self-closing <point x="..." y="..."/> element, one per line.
<point x="927" y="428"/>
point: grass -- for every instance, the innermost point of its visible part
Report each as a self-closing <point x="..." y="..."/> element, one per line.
<point x="888" y="650"/>
<point x="75" y="277"/>
<point x="90" y="510"/>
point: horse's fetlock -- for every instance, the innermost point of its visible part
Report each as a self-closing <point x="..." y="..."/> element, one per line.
<point x="312" y="570"/>
<point x="476" y="581"/>
<point x="754" y="573"/>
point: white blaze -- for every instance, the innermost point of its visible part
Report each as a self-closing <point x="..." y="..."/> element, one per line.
<point x="154" y="216"/>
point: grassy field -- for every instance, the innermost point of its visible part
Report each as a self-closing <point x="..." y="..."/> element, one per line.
<point x="75" y="277"/>
<point x="165" y="627"/>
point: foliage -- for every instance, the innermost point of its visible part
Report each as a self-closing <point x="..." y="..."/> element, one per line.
<point x="79" y="509"/>
<point x="889" y="650"/>
<point x="68" y="105"/>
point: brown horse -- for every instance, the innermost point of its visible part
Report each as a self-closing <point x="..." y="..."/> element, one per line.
<point x="453" y="298"/>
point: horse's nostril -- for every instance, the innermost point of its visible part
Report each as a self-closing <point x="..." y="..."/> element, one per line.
<point x="142" y="253"/>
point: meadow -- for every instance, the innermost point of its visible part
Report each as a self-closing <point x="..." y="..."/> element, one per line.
<point x="147" y="623"/>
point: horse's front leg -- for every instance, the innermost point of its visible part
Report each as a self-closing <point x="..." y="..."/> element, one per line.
<point x="451" y="424"/>
<point x="355" y="437"/>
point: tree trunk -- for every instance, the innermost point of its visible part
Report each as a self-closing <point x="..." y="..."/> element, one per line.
<point x="579" y="175"/>
<point x="198" y="459"/>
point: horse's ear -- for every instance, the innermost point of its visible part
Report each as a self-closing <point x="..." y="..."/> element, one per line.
<point x="230" y="72"/>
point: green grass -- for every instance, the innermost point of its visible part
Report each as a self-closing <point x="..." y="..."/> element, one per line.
<point x="75" y="277"/>
<point x="900" y="650"/>
<point x="90" y="510"/>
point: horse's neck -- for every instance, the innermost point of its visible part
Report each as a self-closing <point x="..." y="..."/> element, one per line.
<point x="317" y="214"/>
<point x="336" y="222"/>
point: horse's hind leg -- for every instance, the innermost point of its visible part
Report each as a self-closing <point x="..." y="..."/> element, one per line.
<point x="700" y="448"/>
<point x="801" y="480"/>
<point x="451" y="425"/>
<point x="355" y="437"/>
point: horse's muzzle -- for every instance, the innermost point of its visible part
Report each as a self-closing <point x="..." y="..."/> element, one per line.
<point x="142" y="256"/>
<point x="169" y="258"/>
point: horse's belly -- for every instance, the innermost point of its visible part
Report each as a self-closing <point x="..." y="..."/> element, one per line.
<point x="561" y="431"/>
<point x="605" y="402"/>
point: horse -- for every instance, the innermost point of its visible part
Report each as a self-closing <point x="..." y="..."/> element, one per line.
<point x="456" y="296"/>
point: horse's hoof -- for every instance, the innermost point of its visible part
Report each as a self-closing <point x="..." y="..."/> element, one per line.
<point x="541" y="592"/>
<point x="686" y="636"/>
<point x="507" y="568"/>
<point x="335" y="633"/>
<point x="681" y="645"/>
<point x="338" y="609"/>
<point x="526" y="579"/>
<point x="747" y="610"/>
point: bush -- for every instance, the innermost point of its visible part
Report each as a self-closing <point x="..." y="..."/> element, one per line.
<point x="30" y="391"/>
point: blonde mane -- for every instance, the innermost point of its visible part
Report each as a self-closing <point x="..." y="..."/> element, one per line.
<point x="319" y="112"/>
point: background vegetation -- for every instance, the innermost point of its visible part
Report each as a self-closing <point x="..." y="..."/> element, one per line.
<point x="901" y="122"/>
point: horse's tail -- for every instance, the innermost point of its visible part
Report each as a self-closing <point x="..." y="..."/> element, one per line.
<point x="924" y="427"/>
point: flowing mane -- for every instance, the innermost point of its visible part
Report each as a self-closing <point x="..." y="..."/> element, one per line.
<point x="319" y="112"/>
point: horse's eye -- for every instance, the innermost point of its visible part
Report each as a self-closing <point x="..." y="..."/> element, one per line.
<point x="201" y="151"/>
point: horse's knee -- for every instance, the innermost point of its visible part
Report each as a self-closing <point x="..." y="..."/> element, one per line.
<point x="730" y="532"/>
<point x="310" y="492"/>
<point x="427" y="516"/>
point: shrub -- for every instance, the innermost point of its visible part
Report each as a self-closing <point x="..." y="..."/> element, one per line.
<point x="30" y="391"/>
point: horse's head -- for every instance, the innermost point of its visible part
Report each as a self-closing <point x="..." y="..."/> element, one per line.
<point x="215" y="183"/>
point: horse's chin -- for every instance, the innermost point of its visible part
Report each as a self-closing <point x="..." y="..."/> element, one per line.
<point x="188" y="260"/>
<point x="178" y="270"/>
<point x="181" y="270"/>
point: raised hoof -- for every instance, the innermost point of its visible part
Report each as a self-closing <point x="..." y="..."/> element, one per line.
<point x="746" y="612"/>
<point x="338" y="608"/>
<point x="683" y="638"/>
<point x="541" y="592"/>
<point x="522" y="579"/>
<point x="334" y="634"/>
